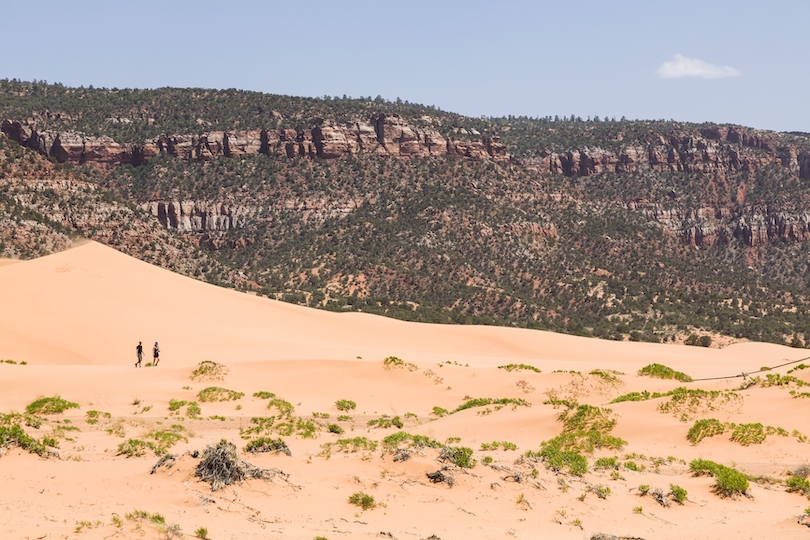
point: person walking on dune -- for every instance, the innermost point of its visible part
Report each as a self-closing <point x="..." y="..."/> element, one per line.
<point x="155" y="354"/>
<point x="139" y="350"/>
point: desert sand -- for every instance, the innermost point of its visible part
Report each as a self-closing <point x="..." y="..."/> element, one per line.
<point x="75" y="318"/>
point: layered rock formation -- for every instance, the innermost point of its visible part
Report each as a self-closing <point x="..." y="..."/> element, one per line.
<point x="716" y="150"/>
<point x="383" y="135"/>
<point x="707" y="226"/>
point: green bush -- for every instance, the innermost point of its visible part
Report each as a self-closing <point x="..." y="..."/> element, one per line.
<point x="747" y="434"/>
<point x="215" y="393"/>
<point x="660" y="371"/>
<point x="708" y="427"/>
<point x="50" y="405"/>
<point x="520" y="367"/>
<point x="136" y="448"/>
<point x="460" y="456"/>
<point x="797" y="484"/>
<point x="267" y="444"/>
<point x="728" y="482"/>
<point x="606" y="463"/>
<point x="345" y="405"/>
<point x="393" y="441"/>
<point x="334" y="428"/>
<point x="678" y="493"/>
<point x="363" y="500"/>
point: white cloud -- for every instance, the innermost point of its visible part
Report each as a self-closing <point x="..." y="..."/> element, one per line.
<point x="680" y="66"/>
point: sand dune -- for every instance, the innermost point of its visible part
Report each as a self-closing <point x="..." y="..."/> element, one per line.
<point x="75" y="317"/>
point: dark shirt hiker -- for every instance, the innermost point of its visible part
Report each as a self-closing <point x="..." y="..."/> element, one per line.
<point x="156" y="354"/>
<point x="139" y="350"/>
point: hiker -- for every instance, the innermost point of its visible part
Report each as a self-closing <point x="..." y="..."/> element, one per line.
<point x="156" y="354"/>
<point x="139" y="350"/>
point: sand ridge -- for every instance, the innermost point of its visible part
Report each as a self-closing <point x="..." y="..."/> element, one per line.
<point x="76" y="316"/>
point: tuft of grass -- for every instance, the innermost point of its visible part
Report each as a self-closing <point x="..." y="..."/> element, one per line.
<point x="216" y="393"/>
<point x="494" y="445"/>
<point x="392" y="362"/>
<point x="607" y="463"/>
<point x="345" y="405"/>
<point x="334" y="428"/>
<point x="439" y="412"/>
<point x="520" y="367"/>
<point x="660" y="371"/>
<point x="707" y="427"/>
<point x="638" y="510"/>
<point x="643" y="489"/>
<point x="201" y="533"/>
<point x="136" y="448"/>
<point x="608" y="376"/>
<point x="15" y="436"/>
<point x="363" y="500"/>
<point x="50" y="405"/>
<point x="208" y="370"/>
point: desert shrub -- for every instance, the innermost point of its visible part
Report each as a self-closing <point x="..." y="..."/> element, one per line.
<point x="520" y="367"/>
<point x="193" y="410"/>
<point x="264" y="395"/>
<point x="395" y="440"/>
<point x="684" y="401"/>
<point x="363" y="500"/>
<point x="644" y="395"/>
<point x="643" y="489"/>
<point x="678" y="493"/>
<point x="558" y="460"/>
<point x="165" y="439"/>
<point x="208" y="370"/>
<point x="392" y="362"/>
<point x="215" y="393"/>
<point x="461" y="456"/>
<point x="334" y="428"/>
<point x="439" y="412"/>
<point x="93" y="416"/>
<point x="345" y="405"/>
<point x="707" y="427"/>
<point x="14" y="435"/>
<point x="220" y="466"/>
<point x="385" y="422"/>
<point x="50" y="405"/>
<point x="176" y="404"/>
<point x="606" y="463"/>
<point x="747" y="434"/>
<point x="355" y="444"/>
<point x="494" y="445"/>
<point x="266" y="444"/>
<point x="660" y="371"/>
<point x="797" y="484"/>
<point x="608" y="376"/>
<point x="306" y="428"/>
<point x="136" y="448"/>
<point x="284" y="407"/>
<point x="344" y="418"/>
<point x="600" y="490"/>
<point x="728" y="482"/>
<point x="633" y="466"/>
<point x="481" y="402"/>
<point x="259" y="425"/>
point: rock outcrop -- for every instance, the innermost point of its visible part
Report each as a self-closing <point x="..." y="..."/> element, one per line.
<point x="713" y="151"/>
<point x="706" y="226"/>
<point x="382" y="135"/>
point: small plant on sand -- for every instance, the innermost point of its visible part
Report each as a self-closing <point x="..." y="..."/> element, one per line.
<point x="482" y="402"/>
<point x="392" y="362"/>
<point x="397" y="440"/>
<point x="461" y="456"/>
<point x="345" y="405"/>
<point x="93" y="416"/>
<point x="267" y="444"/>
<point x="600" y="490"/>
<point x="660" y="371"/>
<point x="363" y="500"/>
<point x="707" y="427"/>
<point x="797" y="484"/>
<point x="136" y="448"/>
<point x="607" y="376"/>
<point x="494" y="445"/>
<point x="344" y="418"/>
<point x="520" y="367"/>
<point x="215" y="393"/>
<point x="50" y="405"/>
<point x="208" y="370"/>
<point x="385" y="422"/>
<point x="202" y="533"/>
<point x="643" y="489"/>
<point x="611" y="463"/>
<point x="439" y="412"/>
<point x="677" y="493"/>
<point x="334" y="428"/>
<point x="638" y="510"/>
<point x="13" y="435"/>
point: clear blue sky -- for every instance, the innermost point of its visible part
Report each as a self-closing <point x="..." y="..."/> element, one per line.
<point x="742" y="61"/>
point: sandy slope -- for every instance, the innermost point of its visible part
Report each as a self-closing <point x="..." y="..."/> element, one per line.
<point x="75" y="318"/>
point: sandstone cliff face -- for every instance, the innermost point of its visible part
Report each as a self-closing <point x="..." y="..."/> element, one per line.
<point x="707" y="226"/>
<point x="382" y="134"/>
<point x="716" y="150"/>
